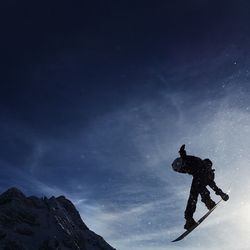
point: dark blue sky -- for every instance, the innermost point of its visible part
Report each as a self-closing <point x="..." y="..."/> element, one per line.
<point x="97" y="96"/>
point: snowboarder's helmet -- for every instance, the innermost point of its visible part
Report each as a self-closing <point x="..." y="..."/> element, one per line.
<point x="208" y="162"/>
<point x="177" y="164"/>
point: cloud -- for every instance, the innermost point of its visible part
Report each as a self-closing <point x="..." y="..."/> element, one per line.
<point x="117" y="167"/>
<point x="217" y="129"/>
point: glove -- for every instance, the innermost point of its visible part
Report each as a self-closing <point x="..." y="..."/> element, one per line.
<point x="182" y="150"/>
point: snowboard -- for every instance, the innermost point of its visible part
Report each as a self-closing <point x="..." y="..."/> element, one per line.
<point x="197" y="224"/>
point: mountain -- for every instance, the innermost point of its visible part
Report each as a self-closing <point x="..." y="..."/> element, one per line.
<point x="31" y="223"/>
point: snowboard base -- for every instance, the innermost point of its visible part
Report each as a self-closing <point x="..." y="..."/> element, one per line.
<point x="182" y="236"/>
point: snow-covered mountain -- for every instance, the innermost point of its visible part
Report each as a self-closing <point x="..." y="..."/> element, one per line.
<point x="31" y="223"/>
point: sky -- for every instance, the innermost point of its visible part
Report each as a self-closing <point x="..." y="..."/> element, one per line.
<point x="96" y="98"/>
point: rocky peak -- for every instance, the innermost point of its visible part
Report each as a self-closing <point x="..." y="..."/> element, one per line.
<point x="44" y="224"/>
<point x="12" y="193"/>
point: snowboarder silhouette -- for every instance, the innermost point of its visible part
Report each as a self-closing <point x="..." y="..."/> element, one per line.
<point x="203" y="176"/>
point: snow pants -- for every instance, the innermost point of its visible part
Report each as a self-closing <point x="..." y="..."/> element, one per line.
<point x="199" y="186"/>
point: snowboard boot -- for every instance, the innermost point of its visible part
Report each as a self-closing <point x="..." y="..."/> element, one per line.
<point x="189" y="223"/>
<point x="210" y="204"/>
<point x="223" y="195"/>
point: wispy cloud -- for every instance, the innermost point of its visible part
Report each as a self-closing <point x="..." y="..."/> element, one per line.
<point x="220" y="132"/>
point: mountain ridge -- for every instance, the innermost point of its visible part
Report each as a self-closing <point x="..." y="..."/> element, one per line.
<point x="28" y="223"/>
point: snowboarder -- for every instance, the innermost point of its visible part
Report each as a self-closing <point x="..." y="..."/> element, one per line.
<point x="203" y="176"/>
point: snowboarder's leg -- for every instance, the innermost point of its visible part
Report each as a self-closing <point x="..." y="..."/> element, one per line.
<point x="191" y="205"/>
<point x="205" y="197"/>
<point x="218" y="191"/>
